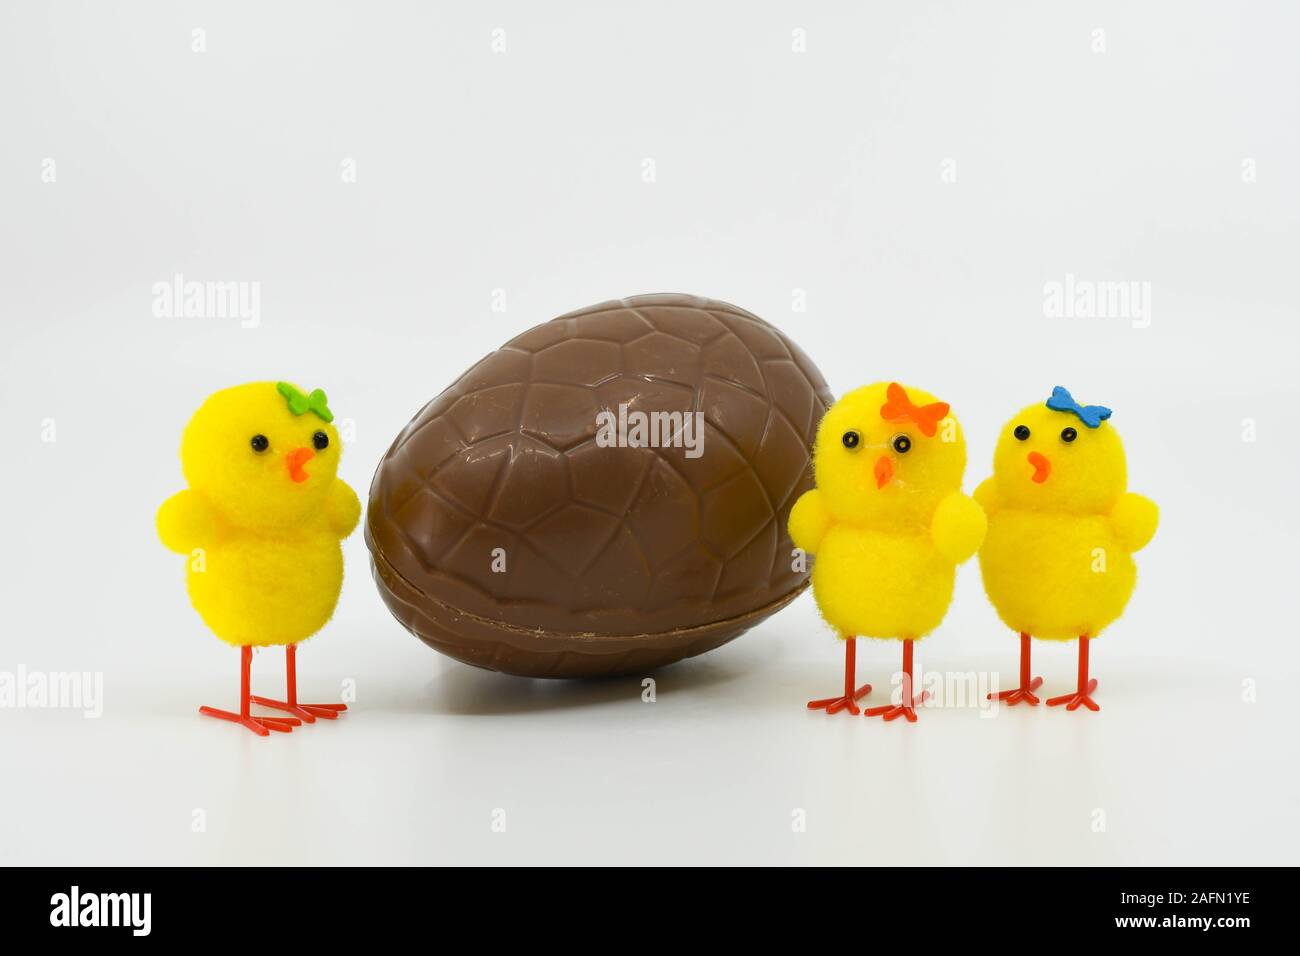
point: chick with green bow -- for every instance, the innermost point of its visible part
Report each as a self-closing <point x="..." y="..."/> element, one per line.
<point x="260" y="526"/>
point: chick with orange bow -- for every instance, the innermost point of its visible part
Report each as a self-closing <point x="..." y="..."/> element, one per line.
<point x="888" y="524"/>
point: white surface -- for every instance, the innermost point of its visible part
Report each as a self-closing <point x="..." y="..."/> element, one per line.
<point x="776" y="171"/>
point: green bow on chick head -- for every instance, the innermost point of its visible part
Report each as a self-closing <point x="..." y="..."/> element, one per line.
<point x="301" y="404"/>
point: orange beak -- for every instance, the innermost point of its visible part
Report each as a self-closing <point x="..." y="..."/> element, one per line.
<point x="295" y="460"/>
<point x="1042" y="467"/>
<point x="884" y="471"/>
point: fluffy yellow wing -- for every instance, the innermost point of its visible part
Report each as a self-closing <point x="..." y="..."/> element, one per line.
<point x="344" y="508"/>
<point x="185" y="522"/>
<point x="809" y="520"/>
<point x="985" y="495"/>
<point x="1134" y="519"/>
<point x="958" y="527"/>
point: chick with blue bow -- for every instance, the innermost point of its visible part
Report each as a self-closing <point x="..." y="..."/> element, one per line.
<point x="1058" y="560"/>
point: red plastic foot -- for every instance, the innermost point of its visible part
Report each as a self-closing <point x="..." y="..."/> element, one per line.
<point x="306" y="712"/>
<point x="1017" y="694"/>
<point x="894" y="711"/>
<point x="833" y="705"/>
<point x="1072" y="701"/>
<point x="262" y="726"/>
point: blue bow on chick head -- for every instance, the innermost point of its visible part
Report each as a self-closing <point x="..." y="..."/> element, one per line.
<point x="1090" y="415"/>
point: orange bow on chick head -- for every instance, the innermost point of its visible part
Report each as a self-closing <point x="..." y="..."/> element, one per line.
<point x="899" y="408"/>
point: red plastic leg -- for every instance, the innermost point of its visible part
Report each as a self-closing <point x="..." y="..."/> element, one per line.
<point x="262" y="726"/>
<point x="848" y="700"/>
<point x="908" y="706"/>
<point x="306" y="712"/>
<point x="1083" y="695"/>
<point x="1027" y="684"/>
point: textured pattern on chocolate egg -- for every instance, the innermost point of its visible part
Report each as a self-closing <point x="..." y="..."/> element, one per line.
<point x="617" y="559"/>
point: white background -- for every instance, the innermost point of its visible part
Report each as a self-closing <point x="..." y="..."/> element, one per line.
<point x="775" y="171"/>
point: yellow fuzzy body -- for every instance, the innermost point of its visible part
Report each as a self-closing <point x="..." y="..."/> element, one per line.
<point x="876" y="584"/>
<point x="1057" y="562"/>
<point x="887" y="527"/>
<point x="1038" y="570"/>
<point x="269" y="590"/>
<point x="264" y="562"/>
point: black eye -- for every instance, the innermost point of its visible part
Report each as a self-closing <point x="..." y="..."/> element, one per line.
<point x="1068" y="434"/>
<point x="259" y="443"/>
<point x="902" y="444"/>
<point x="1021" y="432"/>
<point x="321" y="441"/>
<point x="851" y="440"/>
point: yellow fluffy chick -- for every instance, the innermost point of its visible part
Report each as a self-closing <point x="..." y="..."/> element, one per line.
<point x="888" y="524"/>
<point x="1058" y="560"/>
<point x="261" y="523"/>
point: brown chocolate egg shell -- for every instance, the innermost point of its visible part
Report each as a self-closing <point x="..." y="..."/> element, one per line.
<point x="504" y="534"/>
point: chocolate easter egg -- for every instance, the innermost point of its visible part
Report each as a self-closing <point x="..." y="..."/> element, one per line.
<point x="605" y="494"/>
